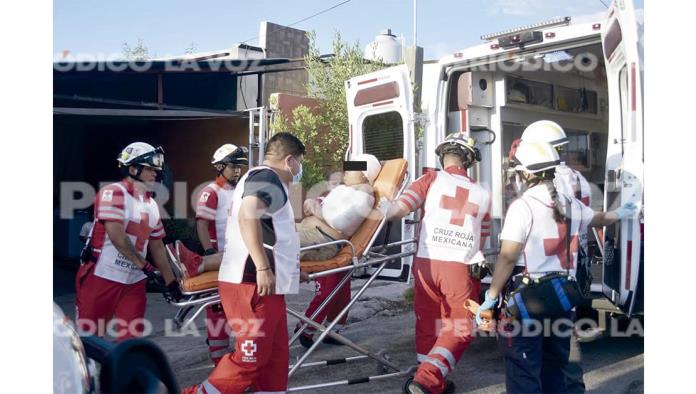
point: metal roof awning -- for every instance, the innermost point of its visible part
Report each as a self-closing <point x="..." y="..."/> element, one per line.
<point x="235" y="66"/>
<point x="81" y="105"/>
<point x="147" y="113"/>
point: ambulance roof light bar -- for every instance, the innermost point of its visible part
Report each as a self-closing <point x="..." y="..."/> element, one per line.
<point x="565" y="21"/>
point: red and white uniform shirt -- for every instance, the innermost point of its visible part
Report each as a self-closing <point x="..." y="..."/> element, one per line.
<point x="529" y="221"/>
<point x="139" y="214"/>
<point x="571" y="183"/>
<point x="214" y="204"/>
<point x="456" y="215"/>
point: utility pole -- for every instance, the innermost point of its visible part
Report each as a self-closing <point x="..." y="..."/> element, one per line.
<point x="415" y="23"/>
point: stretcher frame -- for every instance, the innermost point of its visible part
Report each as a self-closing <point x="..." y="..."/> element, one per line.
<point x="198" y="300"/>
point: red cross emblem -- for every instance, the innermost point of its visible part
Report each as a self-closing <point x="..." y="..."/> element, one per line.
<point x="248" y="348"/>
<point x="558" y="246"/>
<point x="459" y="205"/>
<point x="141" y="230"/>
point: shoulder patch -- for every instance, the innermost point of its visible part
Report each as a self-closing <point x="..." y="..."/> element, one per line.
<point x="204" y="197"/>
<point x="107" y="195"/>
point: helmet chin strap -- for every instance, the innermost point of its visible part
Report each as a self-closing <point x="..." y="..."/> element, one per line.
<point x="232" y="182"/>
<point x="139" y="172"/>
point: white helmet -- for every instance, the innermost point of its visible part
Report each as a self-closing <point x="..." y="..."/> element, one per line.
<point x="535" y="157"/>
<point x="373" y="166"/>
<point x="457" y="141"/>
<point x="231" y="154"/>
<point x="141" y="153"/>
<point x="545" y="131"/>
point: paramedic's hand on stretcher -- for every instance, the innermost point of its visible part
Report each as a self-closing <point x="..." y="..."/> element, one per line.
<point x="385" y="206"/>
<point x="173" y="292"/>
<point x="488" y="303"/>
<point x="265" y="282"/>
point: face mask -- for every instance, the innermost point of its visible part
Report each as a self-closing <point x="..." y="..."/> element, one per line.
<point x="296" y="178"/>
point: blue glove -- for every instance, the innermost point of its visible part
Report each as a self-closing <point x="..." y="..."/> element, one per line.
<point x="488" y="303"/>
<point x="627" y="210"/>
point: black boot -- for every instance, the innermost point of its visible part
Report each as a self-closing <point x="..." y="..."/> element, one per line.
<point x="411" y="387"/>
<point x="306" y="341"/>
<point x="449" y="387"/>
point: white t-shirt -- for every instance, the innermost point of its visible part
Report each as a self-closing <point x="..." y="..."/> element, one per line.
<point x="529" y="221"/>
<point x="345" y="208"/>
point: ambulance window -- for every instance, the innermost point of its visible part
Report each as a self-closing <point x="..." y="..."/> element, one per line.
<point x="577" y="152"/>
<point x="383" y="135"/>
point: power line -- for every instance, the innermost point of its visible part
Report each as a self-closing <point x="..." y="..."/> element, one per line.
<point x="605" y="4"/>
<point x="301" y="20"/>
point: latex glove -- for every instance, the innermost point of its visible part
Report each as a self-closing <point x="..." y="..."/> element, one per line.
<point x="150" y="271"/>
<point x="627" y="210"/>
<point x="384" y="206"/>
<point x="172" y="292"/>
<point x="488" y="303"/>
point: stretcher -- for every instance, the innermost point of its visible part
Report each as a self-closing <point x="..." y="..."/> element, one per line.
<point x="357" y="254"/>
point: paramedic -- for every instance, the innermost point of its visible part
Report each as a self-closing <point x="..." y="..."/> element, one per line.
<point x="449" y="247"/>
<point x="253" y="279"/>
<point x="212" y="209"/>
<point x="534" y="242"/>
<point x="336" y="216"/>
<point x="111" y="279"/>
<point x="570" y="182"/>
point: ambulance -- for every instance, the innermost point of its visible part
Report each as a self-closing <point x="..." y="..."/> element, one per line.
<point x="587" y="77"/>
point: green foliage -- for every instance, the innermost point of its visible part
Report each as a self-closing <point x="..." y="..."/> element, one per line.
<point x="305" y="126"/>
<point x="325" y="131"/>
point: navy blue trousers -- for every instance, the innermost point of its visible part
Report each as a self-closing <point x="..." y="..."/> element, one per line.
<point x="535" y="363"/>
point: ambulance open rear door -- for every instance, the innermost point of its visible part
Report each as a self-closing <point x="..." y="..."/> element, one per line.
<point x="623" y="56"/>
<point x="380" y="118"/>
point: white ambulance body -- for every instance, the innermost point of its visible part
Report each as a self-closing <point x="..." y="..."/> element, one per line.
<point x="587" y="77"/>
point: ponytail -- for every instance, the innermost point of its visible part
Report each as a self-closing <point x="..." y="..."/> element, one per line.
<point x="546" y="177"/>
<point x="558" y="216"/>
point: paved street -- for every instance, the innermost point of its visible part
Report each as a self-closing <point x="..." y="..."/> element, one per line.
<point x="383" y="320"/>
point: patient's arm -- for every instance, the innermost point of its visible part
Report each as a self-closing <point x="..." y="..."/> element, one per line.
<point x="312" y="207"/>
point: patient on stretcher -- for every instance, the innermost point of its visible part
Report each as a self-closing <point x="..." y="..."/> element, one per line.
<point x="334" y="217"/>
<point x="338" y="215"/>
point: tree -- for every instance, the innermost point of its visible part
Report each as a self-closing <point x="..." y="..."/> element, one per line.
<point x="138" y="53"/>
<point x="327" y="127"/>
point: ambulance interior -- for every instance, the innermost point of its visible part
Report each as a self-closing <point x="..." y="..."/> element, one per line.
<point x="540" y="86"/>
